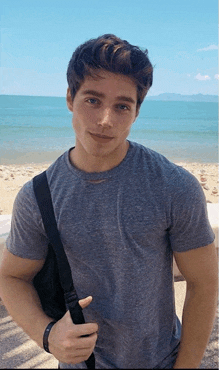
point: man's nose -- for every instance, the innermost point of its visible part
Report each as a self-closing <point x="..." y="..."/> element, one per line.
<point x="106" y="118"/>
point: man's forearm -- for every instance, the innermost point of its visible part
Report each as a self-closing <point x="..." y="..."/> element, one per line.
<point x="22" y="303"/>
<point x="198" y="317"/>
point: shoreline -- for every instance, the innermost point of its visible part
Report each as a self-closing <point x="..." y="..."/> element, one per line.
<point x="14" y="176"/>
<point x="9" y="158"/>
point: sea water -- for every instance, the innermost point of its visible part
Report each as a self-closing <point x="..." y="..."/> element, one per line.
<point x="39" y="129"/>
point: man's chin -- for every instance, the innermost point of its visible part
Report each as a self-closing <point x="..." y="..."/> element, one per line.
<point x="101" y="153"/>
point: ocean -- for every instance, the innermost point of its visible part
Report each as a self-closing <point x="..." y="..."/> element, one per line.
<point x="38" y="129"/>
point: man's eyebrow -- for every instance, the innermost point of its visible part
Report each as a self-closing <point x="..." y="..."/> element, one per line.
<point x="101" y="95"/>
<point x="93" y="92"/>
<point x="126" y="98"/>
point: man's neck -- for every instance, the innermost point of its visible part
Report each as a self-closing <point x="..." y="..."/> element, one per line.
<point x="97" y="163"/>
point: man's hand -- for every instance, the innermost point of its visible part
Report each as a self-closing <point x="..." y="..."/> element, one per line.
<point x="22" y="302"/>
<point x="67" y="342"/>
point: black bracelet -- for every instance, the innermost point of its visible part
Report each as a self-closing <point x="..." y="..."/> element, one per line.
<point x="46" y="335"/>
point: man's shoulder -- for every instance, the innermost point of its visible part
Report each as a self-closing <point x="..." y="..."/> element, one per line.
<point x="149" y="153"/>
<point x="160" y="169"/>
<point x="152" y="160"/>
<point x="59" y="168"/>
<point x="26" y="193"/>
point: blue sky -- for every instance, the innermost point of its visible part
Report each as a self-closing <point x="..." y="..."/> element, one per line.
<point x="38" y="38"/>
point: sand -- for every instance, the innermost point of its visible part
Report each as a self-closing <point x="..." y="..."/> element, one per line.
<point x="13" y="177"/>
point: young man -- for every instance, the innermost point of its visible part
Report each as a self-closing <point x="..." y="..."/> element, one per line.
<point x="122" y="211"/>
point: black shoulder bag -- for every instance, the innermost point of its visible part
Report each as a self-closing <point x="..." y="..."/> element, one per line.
<point x="54" y="282"/>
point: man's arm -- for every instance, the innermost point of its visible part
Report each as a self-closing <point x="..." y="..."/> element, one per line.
<point x="23" y="304"/>
<point x="200" y="269"/>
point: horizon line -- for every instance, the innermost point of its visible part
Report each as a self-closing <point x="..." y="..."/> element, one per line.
<point x="55" y="96"/>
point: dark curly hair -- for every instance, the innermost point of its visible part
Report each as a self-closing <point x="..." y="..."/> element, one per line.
<point x="110" y="53"/>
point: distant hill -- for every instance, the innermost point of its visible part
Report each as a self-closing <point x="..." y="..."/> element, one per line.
<point x="179" y="97"/>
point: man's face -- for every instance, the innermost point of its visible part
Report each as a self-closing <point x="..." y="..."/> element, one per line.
<point x="103" y="111"/>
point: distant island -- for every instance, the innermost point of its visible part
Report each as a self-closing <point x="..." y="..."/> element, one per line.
<point x="180" y="97"/>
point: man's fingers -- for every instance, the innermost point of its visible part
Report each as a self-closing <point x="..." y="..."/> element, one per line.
<point x="87" y="342"/>
<point x="79" y="329"/>
<point x="85" y="329"/>
<point x="85" y="301"/>
<point x="68" y="341"/>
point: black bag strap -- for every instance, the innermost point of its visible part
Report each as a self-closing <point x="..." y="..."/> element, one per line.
<point x="43" y="197"/>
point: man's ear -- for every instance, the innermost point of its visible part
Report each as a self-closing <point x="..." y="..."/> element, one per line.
<point x="69" y="101"/>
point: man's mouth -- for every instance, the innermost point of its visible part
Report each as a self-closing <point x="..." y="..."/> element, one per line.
<point x="101" y="138"/>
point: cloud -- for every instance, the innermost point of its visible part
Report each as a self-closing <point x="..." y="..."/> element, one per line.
<point x="216" y="77"/>
<point x="202" y="78"/>
<point x="210" y="47"/>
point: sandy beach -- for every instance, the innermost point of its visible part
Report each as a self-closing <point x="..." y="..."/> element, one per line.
<point x="13" y="177"/>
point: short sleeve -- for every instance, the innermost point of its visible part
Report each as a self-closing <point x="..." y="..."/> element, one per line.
<point x="189" y="224"/>
<point x="27" y="238"/>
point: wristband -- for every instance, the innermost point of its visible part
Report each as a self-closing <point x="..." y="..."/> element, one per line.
<point x="46" y="335"/>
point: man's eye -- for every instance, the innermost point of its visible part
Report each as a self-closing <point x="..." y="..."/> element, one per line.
<point x="92" y="101"/>
<point x="123" y="107"/>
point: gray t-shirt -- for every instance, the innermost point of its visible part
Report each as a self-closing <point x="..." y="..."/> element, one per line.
<point x="119" y="235"/>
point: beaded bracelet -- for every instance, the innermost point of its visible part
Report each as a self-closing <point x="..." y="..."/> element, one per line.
<point x="46" y="335"/>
